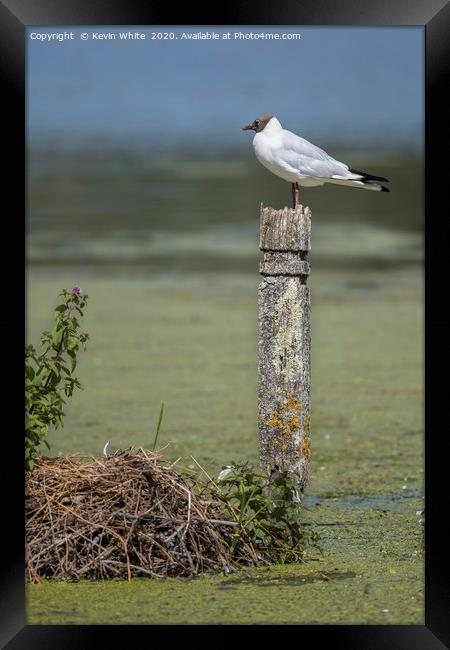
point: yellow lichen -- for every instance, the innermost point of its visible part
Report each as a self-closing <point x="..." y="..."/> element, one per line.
<point x="291" y="424"/>
<point x="276" y="421"/>
<point x="293" y="404"/>
<point x="307" y="425"/>
<point x="286" y="420"/>
<point x="305" y="449"/>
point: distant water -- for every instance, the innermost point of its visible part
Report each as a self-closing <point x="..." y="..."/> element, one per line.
<point x="177" y="210"/>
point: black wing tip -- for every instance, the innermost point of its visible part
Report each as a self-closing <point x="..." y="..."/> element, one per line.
<point x="384" y="189"/>
<point x="369" y="177"/>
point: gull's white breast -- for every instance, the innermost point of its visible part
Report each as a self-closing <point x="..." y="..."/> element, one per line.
<point x="269" y="151"/>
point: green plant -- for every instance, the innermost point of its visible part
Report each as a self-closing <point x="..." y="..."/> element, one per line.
<point x="269" y="522"/>
<point x="158" y="426"/>
<point x="49" y="377"/>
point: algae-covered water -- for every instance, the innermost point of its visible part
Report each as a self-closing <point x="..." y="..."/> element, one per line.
<point x="172" y="318"/>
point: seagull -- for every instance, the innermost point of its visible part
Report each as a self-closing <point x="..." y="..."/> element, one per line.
<point x="301" y="163"/>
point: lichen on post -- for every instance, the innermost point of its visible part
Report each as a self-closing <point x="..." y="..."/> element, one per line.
<point x="284" y="343"/>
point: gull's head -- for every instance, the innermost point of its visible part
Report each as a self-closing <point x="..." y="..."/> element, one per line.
<point x="259" y="124"/>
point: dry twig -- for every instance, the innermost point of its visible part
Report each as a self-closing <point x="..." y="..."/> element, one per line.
<point x="123" y="515"/>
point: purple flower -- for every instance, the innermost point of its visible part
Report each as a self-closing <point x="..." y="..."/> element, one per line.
<point x="77" y="291"/>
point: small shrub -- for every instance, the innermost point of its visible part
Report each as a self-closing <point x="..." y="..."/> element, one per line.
<point x="269" y="522"/>
<point x="49" y="373"/>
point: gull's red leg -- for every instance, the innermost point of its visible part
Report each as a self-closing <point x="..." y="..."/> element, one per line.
<point x="296" y="195"/>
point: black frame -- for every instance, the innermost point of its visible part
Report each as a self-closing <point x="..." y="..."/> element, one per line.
<point x="434" y="16"/>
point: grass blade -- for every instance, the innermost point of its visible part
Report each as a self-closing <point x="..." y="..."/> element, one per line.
<point x="158" y="426"/>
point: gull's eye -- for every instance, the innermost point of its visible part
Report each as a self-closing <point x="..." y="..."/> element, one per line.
<point x="256" y="122"/>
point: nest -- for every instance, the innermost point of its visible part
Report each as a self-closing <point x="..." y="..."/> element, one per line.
<point x="120" y="516"/>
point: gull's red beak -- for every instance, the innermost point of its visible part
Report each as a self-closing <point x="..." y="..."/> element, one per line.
<point x="249" y="127"/>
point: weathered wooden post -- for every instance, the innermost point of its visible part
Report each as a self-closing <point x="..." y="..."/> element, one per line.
<point x="284" y="343"/>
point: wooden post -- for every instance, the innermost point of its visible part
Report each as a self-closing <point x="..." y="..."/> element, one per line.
<point x="284" y="343"/>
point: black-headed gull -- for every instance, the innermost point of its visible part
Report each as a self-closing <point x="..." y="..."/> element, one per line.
<point x="302" y="163"/>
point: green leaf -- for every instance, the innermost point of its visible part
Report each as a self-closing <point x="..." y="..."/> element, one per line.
<point x="29" y="372"/>
<point x="55" y="337"/>
<point x="72" y="343"/>
<point x="38" y="377"/>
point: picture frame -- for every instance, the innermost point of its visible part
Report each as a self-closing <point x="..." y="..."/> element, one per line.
<point x="434" y="17"/>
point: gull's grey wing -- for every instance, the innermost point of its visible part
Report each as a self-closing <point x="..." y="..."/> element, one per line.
<point x="297" y="154"/>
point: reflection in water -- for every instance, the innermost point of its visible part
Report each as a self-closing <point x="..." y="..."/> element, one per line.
<point x="287" y="580"/>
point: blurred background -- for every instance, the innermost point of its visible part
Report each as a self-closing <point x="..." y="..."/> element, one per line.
<point x="143" y="189"/>
<point x="136" y="154"/>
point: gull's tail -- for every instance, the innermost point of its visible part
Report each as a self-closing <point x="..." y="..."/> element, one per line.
<point x="368" y="180"/>
<point x="354" y="178"/>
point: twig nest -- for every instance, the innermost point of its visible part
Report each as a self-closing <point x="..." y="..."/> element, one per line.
<point x="121" y="515"/>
